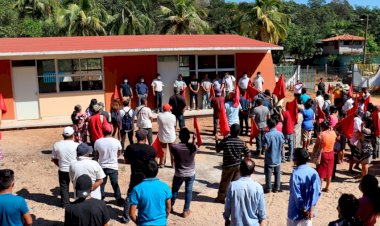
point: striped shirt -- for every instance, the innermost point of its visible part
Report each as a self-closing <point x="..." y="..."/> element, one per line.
<point x="233" y="150"/>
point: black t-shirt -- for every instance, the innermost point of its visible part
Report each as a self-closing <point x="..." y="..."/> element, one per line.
<point x="194" y="84"/>
<point x="126" y="88"/>
<point x="178" y="103"/>
<point x="138" y="155"/>
<point x="92" y="212"/>
<point x="321" y="86"/>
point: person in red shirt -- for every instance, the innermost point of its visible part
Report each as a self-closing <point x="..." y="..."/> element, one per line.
<point x="95" y="124"/>
<point x="216" y="103"/>
<point x="288" y="131"/>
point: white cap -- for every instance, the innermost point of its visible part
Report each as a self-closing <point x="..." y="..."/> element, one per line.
<point x="68" y="131"/>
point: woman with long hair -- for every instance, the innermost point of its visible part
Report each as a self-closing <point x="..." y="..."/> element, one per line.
<point x="90" y="110"/>
<point x="325" y="141"/>
<point x="369" y="203"/>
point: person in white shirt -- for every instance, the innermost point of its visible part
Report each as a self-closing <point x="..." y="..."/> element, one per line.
<point x="63" y="154"/>
<point x="85" y="165"/>
<point x="217" y="82"/>
<point x="228" y="84"/>
<point x="259" y="82"/>
<point x="348" y="104"/>
<point x="108" y="150"/>
<point x="124" y="131"/>
<point x="354" y="141"/>
<point x="180" y="84"/>
<point x="243" y="82"/>
<point x="157" y="86"/>
<point x="144" y="118"/>
<point x="206" y="86"/>
<point x="298" y="88"/>
<point x="319" y="100"/>
<point x="166" y="132"/>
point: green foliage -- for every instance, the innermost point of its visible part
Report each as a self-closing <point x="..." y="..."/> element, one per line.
<point x="300" y="43"/>
<point x="332" y="59"/>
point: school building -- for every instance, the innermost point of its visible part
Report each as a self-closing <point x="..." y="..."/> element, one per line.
<point x="47" y="77"/>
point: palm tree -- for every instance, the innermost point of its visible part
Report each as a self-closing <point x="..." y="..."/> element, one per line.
<point x="83" y="19"/>
<point x="182" y="17"/>
<point x="263" y="21"/>
<point x="36" y="9"/>
<point x="132" y="19"/>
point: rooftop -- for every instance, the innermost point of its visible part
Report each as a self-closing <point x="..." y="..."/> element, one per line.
<point x="345" y="37"/>
<point x="129" y="44"/>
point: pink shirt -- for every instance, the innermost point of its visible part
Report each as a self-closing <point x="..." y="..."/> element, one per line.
<point x="333" y="120"/>
<point x="279" y="127"/>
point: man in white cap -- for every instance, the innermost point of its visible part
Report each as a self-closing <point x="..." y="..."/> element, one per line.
<point x="63" y="154"/>
<point x="85" y="165"/>
<point x="86" y="210"/>
<point x="166" y="131"/>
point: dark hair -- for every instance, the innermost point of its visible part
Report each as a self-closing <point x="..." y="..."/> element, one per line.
<point x="151" y="169"/>
<point x="247" y="167"/>
<point x="326" y="96"/>
<point x="333" y="109"/>
<point x="234" y="130"/>
<point x="184" y="135"/>
<point x="309" y="103"/>
<point x="267" y="92"/>
<point x="369" y="185"/>
<point x="368" y="121"/>
<point x="7" y="176"/>
<point x="371" y="107"/>
<point x="259" y="101"/>
<point x="158" y="74"/>
<point x="304" y="90"/>
<point x="125" y="103"/>
<point x="271" y="123"/>
<point x="343" y="113"/>
<point x="348" y="205"/>
<point x="142" y="101"/>
<point x="301" y="155"/>
<point x="319" y="92"/>
<point x="77" y="109"/>
<point x="92" y="103"/>
<point x="325" y="125"/>
<point x="364" y="89"/>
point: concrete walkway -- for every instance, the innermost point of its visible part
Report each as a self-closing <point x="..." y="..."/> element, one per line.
<point x="66" y="121"/>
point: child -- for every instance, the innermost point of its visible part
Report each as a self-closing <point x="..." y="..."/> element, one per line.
<point x="78" y="119"/>
<point x="13" y="208"/>
<point x="116" y="118"/>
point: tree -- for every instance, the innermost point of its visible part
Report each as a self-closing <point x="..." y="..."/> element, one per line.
<point x="83" y="19"/>
<point x="132" y="19"/>
<point x="36" y="9"/>
<point x="265" y="22"/>
<point x="300" y="43"/>
<point x="222" y="17"/>
<point x="182" y="17"/>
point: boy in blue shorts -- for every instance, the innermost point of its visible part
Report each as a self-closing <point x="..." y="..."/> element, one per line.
<point x="13" y="208"/>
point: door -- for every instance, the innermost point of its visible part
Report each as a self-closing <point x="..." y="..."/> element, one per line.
<point x="168" y="68"/>
<point x="25" y="90"/>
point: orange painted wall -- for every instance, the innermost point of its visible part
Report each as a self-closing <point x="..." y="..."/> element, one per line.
<point x="6" y="88"/>
<point x="116" y="67"/>
<point x="255" y="62"/>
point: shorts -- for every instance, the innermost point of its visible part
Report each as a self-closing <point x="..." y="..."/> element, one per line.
<point x="306" y="134"/>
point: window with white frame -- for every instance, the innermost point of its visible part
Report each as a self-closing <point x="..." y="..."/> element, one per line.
<point x="70" y="75"/>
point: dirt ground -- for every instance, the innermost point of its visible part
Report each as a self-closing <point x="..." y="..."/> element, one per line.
<point x="28" y="153"/>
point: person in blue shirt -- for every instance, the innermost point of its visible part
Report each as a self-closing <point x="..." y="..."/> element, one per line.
<point x="245" y="203"/>
<point x="304" y="97"/>
<point x="244" y="113"/>
<point x="305" y="190"/>
<point x="141" y="89"/>
<point x="232" y="112"/>
<point x="273" y="142"/>
<point x="151" y="197"/>
<point x="307" y="125"/>
<point x="13" y="208"/>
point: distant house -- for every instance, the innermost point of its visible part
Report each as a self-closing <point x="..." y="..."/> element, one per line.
<point x="343" y="45"/>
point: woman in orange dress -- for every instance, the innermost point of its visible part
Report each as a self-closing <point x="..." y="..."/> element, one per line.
<point x="326" y="141"/>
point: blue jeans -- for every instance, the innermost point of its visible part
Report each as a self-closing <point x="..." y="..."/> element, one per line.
<point x="289" y="139"/>
<point x="113" y="174"/>
<point x="140" y="96"/>
<point x="260" y="141"/>
<point x="181" y="120"/>
<point x="206" y="100"/>
<point x="158" y="101"/>
<point x="127" y="206"/>
<point x="177" y="182"/>
<point x="192" y="97"/>
<point x="268" y="171"/>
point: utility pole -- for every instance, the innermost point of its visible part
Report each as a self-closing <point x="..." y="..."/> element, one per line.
<point x="365" y="40"/>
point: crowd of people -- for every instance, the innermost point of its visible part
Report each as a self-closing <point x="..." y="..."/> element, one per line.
<point x="89" y="151"/>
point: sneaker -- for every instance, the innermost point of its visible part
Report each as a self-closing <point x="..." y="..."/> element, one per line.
<point x="124" y="220"/>
<point x="186" y="213"/>
<point x="266" y="191"/>
<point x="276" y="190"/>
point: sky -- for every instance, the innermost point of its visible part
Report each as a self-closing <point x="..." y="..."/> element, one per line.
<point x="371" y="3"/>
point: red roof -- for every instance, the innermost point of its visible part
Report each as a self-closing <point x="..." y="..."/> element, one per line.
<point x="344" y="38"/>
<point x="129" y="44"/>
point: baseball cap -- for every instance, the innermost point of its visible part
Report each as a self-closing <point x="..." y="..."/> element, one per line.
<point x="68" y="131"/>
<point x="167" y="107"/>
<point x="141" y="134"/>
<point x="83" y="186"/>
<point x="107" y="127"/>
<point x="83" y="149"/>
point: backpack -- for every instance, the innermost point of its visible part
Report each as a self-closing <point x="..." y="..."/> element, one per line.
<point x="127" y="122"/>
